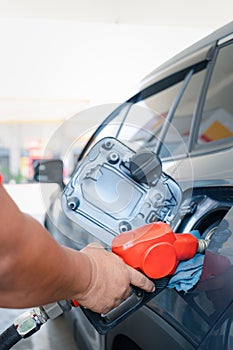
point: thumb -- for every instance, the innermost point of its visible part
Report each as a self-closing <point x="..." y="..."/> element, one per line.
<point x="137" y="279"/>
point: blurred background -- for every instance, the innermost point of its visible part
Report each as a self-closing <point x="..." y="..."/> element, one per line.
<point x="59" y="57"/>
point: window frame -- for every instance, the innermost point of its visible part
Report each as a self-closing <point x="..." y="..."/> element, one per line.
<point x="194" y="148"/>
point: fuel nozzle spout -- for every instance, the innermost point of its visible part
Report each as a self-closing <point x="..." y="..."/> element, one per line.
<point x="202" y="245"/>
<point x="155" y="249"/>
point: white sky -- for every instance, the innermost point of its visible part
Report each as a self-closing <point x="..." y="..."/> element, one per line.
<point x="61" y="59"/>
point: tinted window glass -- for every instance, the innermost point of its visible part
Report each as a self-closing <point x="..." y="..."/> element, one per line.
<point x="217" y="118"/>
<point x="178" y="134"/>
<point x="143" y="121"/>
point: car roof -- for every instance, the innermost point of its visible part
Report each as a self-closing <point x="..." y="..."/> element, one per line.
<point x="192" y="54"/>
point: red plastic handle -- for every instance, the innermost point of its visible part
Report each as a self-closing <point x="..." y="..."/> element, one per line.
<point x="154" y="249"/>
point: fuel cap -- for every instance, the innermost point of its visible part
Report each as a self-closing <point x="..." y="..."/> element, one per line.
<point x="145" y="167"/>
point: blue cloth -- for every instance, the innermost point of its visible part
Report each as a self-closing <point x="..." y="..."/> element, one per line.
<point x="188" y="272"/>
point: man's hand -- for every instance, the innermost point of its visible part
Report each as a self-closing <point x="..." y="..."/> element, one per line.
<point x="110" y="280"/>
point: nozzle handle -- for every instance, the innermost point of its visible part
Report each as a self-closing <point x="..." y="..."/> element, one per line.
<point x="104" y="323"/>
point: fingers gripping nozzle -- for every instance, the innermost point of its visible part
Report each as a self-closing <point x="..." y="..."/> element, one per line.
<point x="155" y="249"/>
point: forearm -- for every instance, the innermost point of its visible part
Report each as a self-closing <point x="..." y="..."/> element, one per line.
<point x="36" y="270"/>
<point x="32" y="263"/>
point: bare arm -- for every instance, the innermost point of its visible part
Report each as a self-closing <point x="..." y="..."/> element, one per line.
<point x="35" y="269"/>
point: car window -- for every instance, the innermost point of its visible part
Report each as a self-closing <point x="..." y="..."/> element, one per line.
<point x="176" y="140"/>
<point x="177" y="136"/>
<point x="217" y="117"/>
<point x="140" y="123"/>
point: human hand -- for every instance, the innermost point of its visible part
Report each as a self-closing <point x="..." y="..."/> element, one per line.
<point x="110" y="280"/>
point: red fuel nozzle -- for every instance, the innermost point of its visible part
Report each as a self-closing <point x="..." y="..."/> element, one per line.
<point x="155" y="249"/>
